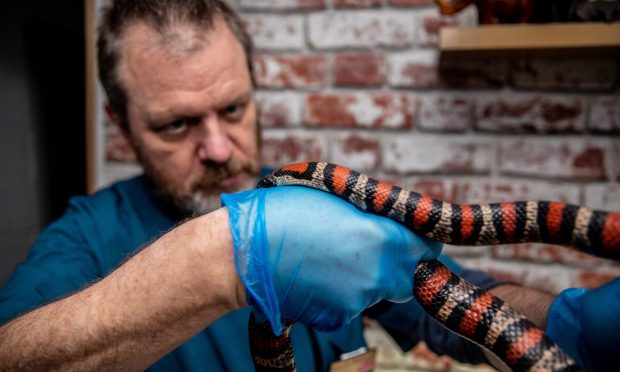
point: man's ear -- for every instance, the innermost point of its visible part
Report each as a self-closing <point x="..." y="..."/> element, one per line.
<point x="115" y="118"/>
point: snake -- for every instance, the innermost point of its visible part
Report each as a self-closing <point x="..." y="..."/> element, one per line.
<point x="458" y="305"/>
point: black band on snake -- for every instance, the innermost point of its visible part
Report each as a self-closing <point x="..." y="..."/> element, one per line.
<point x="460" y="306"/>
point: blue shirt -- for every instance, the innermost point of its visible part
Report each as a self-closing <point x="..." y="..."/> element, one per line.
<point x="98" y="232"/>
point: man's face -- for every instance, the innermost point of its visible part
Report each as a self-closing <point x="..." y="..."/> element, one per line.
<point x="191" y="113"/>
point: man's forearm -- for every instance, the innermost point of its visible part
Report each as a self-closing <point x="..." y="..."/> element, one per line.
<point x="532" y="303"/>
<point x="148" y="306"/>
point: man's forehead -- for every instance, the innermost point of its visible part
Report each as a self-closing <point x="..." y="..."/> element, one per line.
<point x="175" y="41"/>
<point x="142" y="44"/>
<point x="159" y="74"/>
<point x="144" y="47"/>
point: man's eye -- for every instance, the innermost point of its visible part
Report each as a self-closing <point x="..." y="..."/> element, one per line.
<point x="177" y="126"/>
<point x="233" y="112"/>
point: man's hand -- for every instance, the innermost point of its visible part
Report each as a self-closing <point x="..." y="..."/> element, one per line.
<point x="586" y="324"/>
<point x="311" y="257"/>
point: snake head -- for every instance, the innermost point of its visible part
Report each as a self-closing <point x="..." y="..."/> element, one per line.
<point x="267" y="181"/>
<point x="302" y="172"/>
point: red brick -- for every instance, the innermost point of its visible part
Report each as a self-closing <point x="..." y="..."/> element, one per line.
<point x="284" y="147"/>
<point x="444" y="112"/>
<point x="356" y="151"/>
<point x="605" y="114"/>
<point x="544" y="253"/>
<point x="117" y="148"/>
<point x="276" y="32"/>
<point x="281" y="4"/>
<point x="422" y="154"/>
<point x="478" y="191"/>
<point x="360" y="29"/>
<point x="595" y="278"/>
<point x="530" y="113"/>
<point x="590" y="73"/>
<point x="422" y="69"/>
<point x="279" y="109"/>
<point x="357" y="3"/>
<point x="555" y="158"/>
<point x="418" y="69"/>
<point x="602" y="196"/>
<point x="374" y="110"/>
<point x="359" y="69"/>
<point x="411" y="2"/>
<point x="438" y="188"/>
<point x="285" y="71"/>
<point x="430" y="25"/>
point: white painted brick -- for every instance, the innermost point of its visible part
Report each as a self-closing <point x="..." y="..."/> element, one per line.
<point x="605" y="114"/>
<point x="276" y="32"/>
<point x="364" y="110"/>
<point x="428" y="153"/>
<point x="281" y="147"/>
<point x="428" y="23"/>
<point x="436" y="186"/>
<point x="279" y="108"/>
<point x="417" y="68"/>
<point x="544" y="253"/>
<point x="358" y="151"/>
<point x="602" y="196"/>
<point x="527" y="112"/>
<point x="290" y="70"/>
<point x="360" y="29"/>
<point x="444" y="112"/>
<point x="280" y="4"/>
<point x="113" y="172"/>
<point x="479" y="190"/>
<point x="556" y="157"/>
<point x="367" y="111"/>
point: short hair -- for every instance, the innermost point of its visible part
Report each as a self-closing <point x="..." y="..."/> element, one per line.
<point x="161" y="15"/>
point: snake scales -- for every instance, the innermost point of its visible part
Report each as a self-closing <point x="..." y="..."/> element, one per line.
<point x="461" y="307"/>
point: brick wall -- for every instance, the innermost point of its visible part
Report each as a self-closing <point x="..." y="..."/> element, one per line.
<point x="361" y="83"/>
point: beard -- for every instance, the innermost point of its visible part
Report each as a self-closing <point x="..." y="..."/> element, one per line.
<point x="200" y="193"/>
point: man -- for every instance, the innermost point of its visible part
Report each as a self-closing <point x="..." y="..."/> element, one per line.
<point x="178" y="79"/>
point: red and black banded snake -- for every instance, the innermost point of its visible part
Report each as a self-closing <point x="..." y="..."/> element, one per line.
<point x="461" y="307"/>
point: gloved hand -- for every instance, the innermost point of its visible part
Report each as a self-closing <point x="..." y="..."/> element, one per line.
<point x="586" y="325"/>
<point x="311" y="257"/>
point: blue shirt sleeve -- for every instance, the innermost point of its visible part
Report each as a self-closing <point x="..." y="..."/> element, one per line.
<point x="59" y="263"/>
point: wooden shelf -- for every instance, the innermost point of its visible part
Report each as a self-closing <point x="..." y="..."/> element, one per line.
<point x="530" y="37"/>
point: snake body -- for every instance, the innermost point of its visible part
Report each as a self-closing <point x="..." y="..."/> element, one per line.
<point x="460" y="306"/>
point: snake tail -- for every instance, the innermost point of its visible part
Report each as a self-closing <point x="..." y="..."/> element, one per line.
<point x="486" y="320"/>
<point x="270" y="353"/>
<point x="591" y="231"/>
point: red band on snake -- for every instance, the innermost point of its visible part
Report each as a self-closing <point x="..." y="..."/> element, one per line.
<point x="458" y="305"/>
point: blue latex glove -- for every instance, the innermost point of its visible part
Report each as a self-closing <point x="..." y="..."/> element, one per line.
<point x="586" y="324"/>
<point x="311" y="257"/>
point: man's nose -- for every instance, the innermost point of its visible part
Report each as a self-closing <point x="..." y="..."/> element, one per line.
<point x="214" y="143"/>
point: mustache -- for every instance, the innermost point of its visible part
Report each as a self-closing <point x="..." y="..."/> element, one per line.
<point x="213" y="173"/>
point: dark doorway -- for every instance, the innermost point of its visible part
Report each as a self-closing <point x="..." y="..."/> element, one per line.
<point x="42" y="125"/>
